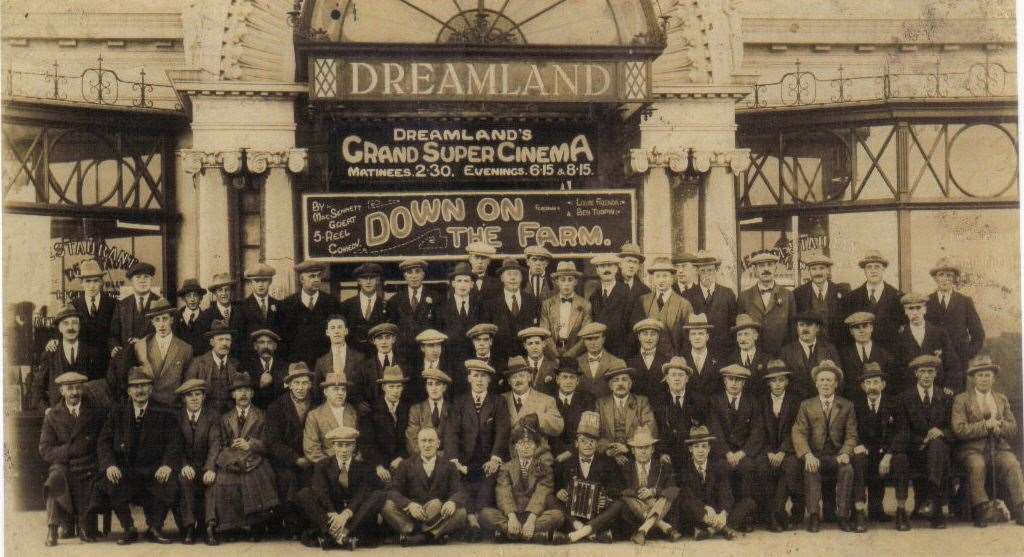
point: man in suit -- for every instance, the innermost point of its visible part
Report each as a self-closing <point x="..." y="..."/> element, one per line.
<point x="479" y="255"/>
<point x="287" y="419"/>
<point x="163" y="355"/>
<point x="749" y="351"/>
<point x="534" y="340"/>
<point x="129" y="323"/>
<point x="459" y="312"/>
<point x="525" y="509"/>
<point x="367" y="308"/>
<point x="877" y="429"/>
<point x="822" y="296"/>
<point x="523" y="400"/>
<point x="780" y="464"/>
<point x="670" y="308"/>
<point x="630" y="260"/>
<point x="571" y="402"/>
<point x="199" y="430"/>
<point x="650" y="359"/>
<point x="186" y="321"/>
<point x="565" y="312"/>
<point x="701" y="358"/>
<point x="536" y="281"/>
<point x="622" y="414"/>
<point x="954" y="311"/>
<point x="433" y="359"/>
<point x="511" y="310"/>
<point x="612" y="306"/>
<point x="716" y="301"/>
<point x="917" y="337"/>
<point x="481" y="336"/>
<point x="333" y="413"/>
<point x="342" y="357"/>
<point x="879" y="298"/>
<point x="596" y="360"/>
<point x="770" y="303"/>
<point x="649" y="493"/>
<point x="67" y="443"/>
<point x="367" y="382"/>
<point x="426" y="501"/>
<point x="862" y="350"/>
<point x="304" y="316"/>
<point x="222" y="307"/>
<point x="685" y="274"/>
<point x="478" y="438"/>
<point x="385" y="425"/>
<point x="677" y="408"/>
<point x="70" y="354"/>
<point x="735" y="417"/>
<point x="96" y="309"/>
<point x="259" y="310"/>
<point x="807" y="351"/>
<point x="924" y="441"/>
<point x="342" y="501"/>
<point x="434" y="413"/>
<point x="216" y="367"/>
<point x="706" y="503"/>
<point x="412" y="308"/>
<point x="137" y="451"/>
<point x="585" y="465"/>
<point x="984" y="424"/>
<point x="824" y="436"/>
<point x="265" y="368"/>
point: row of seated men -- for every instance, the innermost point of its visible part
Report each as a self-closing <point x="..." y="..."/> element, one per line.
<point x="520" y="465"/>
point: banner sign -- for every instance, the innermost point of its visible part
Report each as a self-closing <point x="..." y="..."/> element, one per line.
<point x="479" y="80"/>
<point x="413" y="151"/>
<point x="349" y="227"/>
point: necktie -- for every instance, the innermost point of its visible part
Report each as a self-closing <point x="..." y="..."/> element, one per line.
<point x="827" y="407"/>
<point x="874" y="407"/>
<point x="566" y="300"/>
<point x="707" y="295"/>
<point x="415" y="299"/>
<point x="241" y="421"/>
<point x="366" y="310"/>
<point x="873" y="297"/>
<point x="734" y="402"/>
<point x="71" y="355"/>
<point x="220" y="365"/>
<point x="945" y="302"/>
<point x="927" y="398"/>
<point x="139" y="303"/>
<point x="821" y="295"/>
<point x="309" y="302"/>
<point x="679" y="401"/>
<point x="387" y="360"/>
<point x="74" y="412"/>
<point x="515" y="304"/>
<point x="746" y="360"/>
<point x="194" y="418"/>
<point x="477" y="402"/>
<point x="565" y="401"/>
<point x="661" y="302"/>
<point x="536" y="286"/>
<point x="863" y="353"/>
<point x="604" y="293"/>
<point x="139" y="414"/>
<point x="518" y="402"/>
<point x="703" y="473"/>
<point x="462" y="309"/>
<point x="435" y="414"/>
<point x="642" y="476"/>
<point x="92" y="306"/>
<point x="263" y="308"/>
<point x="343" y="474"/>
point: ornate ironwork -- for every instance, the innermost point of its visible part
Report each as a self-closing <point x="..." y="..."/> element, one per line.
<point x="805" y="88"/>
<point x="97" y="85"/>
<point x="481" y="26"/>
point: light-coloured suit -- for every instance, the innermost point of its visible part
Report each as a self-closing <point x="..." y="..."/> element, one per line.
<point x="167" y="371"/>
<point x="565" y="343"/>
<point x="637" y="413"/>
<point x="968" y="423"/>
<point x="319" y="421"/>
<point x="420" y="417"/>
<point x="595" y="383"/>
<point x="549" y="418"/>
<point x="826" y="437"/>
<point x="673" y="315"/>
<point x="523" y="495"/>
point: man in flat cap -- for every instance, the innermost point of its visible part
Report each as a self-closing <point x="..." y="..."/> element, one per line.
<point x="67" y="443"/>
<point x="525" y="508"/>
<point x="304" y="316"/>
<point x="650" y="358"/>
<point x="534" y="340"/>
<point x="523" y="400"/>
<point x="344" y="497"/>
<point x="589" y="485"/>
<point x="571" y="402"/>
<point x="70" y="354"/>
<point x="186" y="319"/>
<point x="341" y="357"/>
<point x="706" y="503"/>
<point x="334" y="412"/>
<point x="823" y="297"/>
<point x="677" y="408"/>
<point x="367" y="308"/>
<point x="667" y="306"/>
<point x="386" y="424"/>
<point x="259" y="310"/>
<point x="824" y="436"/>
<point x="129" y="322"/>
<point x="878" y="297"/>
<point x="286" y="417"/>
<point x="536" y="281"/>
<point x="917" y="337"/>
<point x="458" y="312"/>
<point x="612" y="306"/>
<point x="716" y="301"/>
<point x="366" y="381"/>
<point x="984" y="424"/>
<point x="703" y="359"/>
<point x="434" y="412"/>
<point x="432" y="358"/>
<point x="630" y="260"/>
<point x="511" y="310"/>
<point x="782" y="469"/>
<point x="481" y="336"/>
<point x="164" y="355"/>
<point x="222" y="307"/>
<point x="622" y="414"/>
<point x="807" y="351"/>
<point x="770" y="303"/>
<point x="199" y="430"/>
<point x="479" y="255"/>
<point x="877" y="429"/>
<point x="564" y="312"/>
<point x="954" y="311"/>
<point x="750" y="353"/>
<point x="596" y="360"/>
<point x="264" y="367"/>
<point x="96" y="308"/>
<point x="244" y="491"/>
<point x="924" y="443"/>
<point x="216" y="367"/>
<point x="862" y="350"/>
<point x="650" y="490"/>
<point x="413" y="307"/>
<point x="137" y="451"/>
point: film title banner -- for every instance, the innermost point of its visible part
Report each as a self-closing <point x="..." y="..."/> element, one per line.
<point x="411" y="152"/>
<point x="345" y="227"/>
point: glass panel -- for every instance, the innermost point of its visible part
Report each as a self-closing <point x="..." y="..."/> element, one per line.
<point x="853" y="234"/>
<point x="927" y="145"/>
<point x="251" y="201"/>
<point x="879" y="143"/>
<point x="773" y="234"/>
<point x="982" y="160"/>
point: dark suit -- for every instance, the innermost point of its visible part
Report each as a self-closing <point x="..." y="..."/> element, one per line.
<point x="410" y="484"/>
<point x="937" y="342"/>
<point x="278" y="369"/>
<point x="68" y="445"/>
<point x="412" y="322"/>
<point x="44" y="391"/>
<point x="359" y="326"/>
<point x="739" y="430"/>
<point x="581" y="402"/>
<point x="250" y="318"/>
<point x="757" y="366"/>
<point x="637" y="289"/>
<point x="356" y="368"/>
<point x="660" y="478"/>
<point x="303" y="330"/>
<point x="205" y="367"/>
<point x="96" y="328"/>
<point x="523" y="493"/>
<point x="830" y="309"/>
<point x="648" y="380"/>
<point x="888" y="311"/>
<point x="497" y="312"/>
<point x="619" y="312"/>
<point x="491" y="287"/>
<point x="213" y="313"/>
<point x="961" y="322"/>
<point x="475" y="437"/>
<point x="448" y="320"/>
<point x="127" y="323"/>
<point x="853" y="365"/>
<point x="721" y="311"/>
<point x="913" y="455"/>
<point x="801" y="365"/>
<point x="777" y="320"/>
<point x="191" y="333"/>
<point x="713" y="490"/>
<point x="366" y="388"/>
<point x="360" y="494"/>
<point x="384" y="434"/>
<point x="196" y="440"/>
<point x="604" y="472"/>
<point x="284" y="445"/>
<point x="706" y="379"/>
<point x="877" y="432"/>
<point x="784" y="481"/>
<point x="674" y="423"/>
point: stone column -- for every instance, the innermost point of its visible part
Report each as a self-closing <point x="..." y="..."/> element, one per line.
<point x="210" y="222"/>
<point x="720" y="211"/>
<point x="279" y="217"/>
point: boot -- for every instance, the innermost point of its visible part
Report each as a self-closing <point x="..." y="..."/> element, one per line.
<point x="190" y="535"/>
<point x="130" y="536"/>
<point x="938" y="519"/>
<point x="773" y="523"/>
<point x="902" y="522"/>
<point x="860" y="521"/>
<point x="813" y="523"/>
<point x="729" y="533"/>
<point x="211" y="535"/>
<point x="980" y="512"/>
<point x="51" y="535"/>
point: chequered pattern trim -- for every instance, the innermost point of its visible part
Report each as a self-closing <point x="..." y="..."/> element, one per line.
<point x="325" y="77"/>
<point x="635" y="84"/>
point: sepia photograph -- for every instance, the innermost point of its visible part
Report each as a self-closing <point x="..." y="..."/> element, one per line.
<point x="511" y="277"/>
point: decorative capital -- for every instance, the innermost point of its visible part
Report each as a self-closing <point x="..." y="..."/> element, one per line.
<point x="237" y="161"/>
<point x="735" y="160"/>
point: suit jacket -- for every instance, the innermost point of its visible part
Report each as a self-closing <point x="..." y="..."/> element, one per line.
<point x="660" y="478"/>
<point x="831" y="309"/>
<point x="255" y="430"/>
<point x="707" y="379"/>
<point x="915" y="419"/>
<point x="674" y="422"/>
<point x="319" y="421"/>
<point x="167" y="372"/>
<point x="264" y="396"/>
<point x="546" y="289"/>
<point x="156" y="443"/>
<point x="213" y="313"/>
<point x="721" y="310"/>
<point x="448" y="320"/>
<point x="570" y="345"/>
<point x="359" y="326"/>
<point x="357" y="371"/>
<point x="250" y="318"/>
<point x="69" y="442"/>
<point x="412" y="322"/>
<point x="303" y="329"/>
<point x="515" y="492"/>
<point x="777" y="320"/>
<point x="332" y="496"/>
<point x="44" y="391"/>
<point x="755" y="385"/>
<point x="127" y="323"/>
<point x="637" y="414"/>
<point x="648" y="380"/>
<point x="410" y="483"/>
<point x="877" y="430"/>
<point x="383" y="434"/>
<point x="888" y="312"/>
<point x="619" y="312"/>
<point x="287" y="431"/>
<point x="968" y="423"/>
<point x="801" y="365"/>
<point x="936" y="341"/>
<point x="604" y="471"/>
<point x="95" y="329"/>
<point x="496" y="312"/>
<point x="673" y="315"/>
<point x="778" y="430"/>
<point x="736" y="430"/>
<point x="474" y="437"/>
<point x="544" y="375"/>
<point x="551" y="421"/>
<point x="491" y="287"/>
<point x="595" y="384"/>
<point x="204" y="367"/>
<point x="190" y="333"/>
<point x="420" y="417"/>
<point x="196" y="439"/>
<point x="961" y="322"/>
<point x="853" y="365"/>
<point x="714" y="491"/>
<point x="811" y="429"/>
<point x="637" y="289"/>
<point x="581" y="402"/>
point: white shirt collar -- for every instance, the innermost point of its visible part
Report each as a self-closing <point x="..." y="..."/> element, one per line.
<point x="828" y="400"/>
<point x="75" y="408"/>
<point x="308" y="299"/>
<point x="430" y="462"/>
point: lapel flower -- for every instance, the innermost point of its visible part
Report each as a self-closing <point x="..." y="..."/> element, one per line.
<point x="273" y="307"/>
<point x="429" y="300"/>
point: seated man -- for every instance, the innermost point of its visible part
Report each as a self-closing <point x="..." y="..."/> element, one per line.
<point x="68" y="445"/>
<point x="332" y="414"/>
<point x="589" y="485"/>
<point x="426" y="501"/>
<point x="650" y="491"/>
<point x="622" y="414"/>
<point x="824" y="435"/>
<point x="876" y="412"/>
<point x="983" y="421"/>
<point x="199" y="431"/>
<point x="244" y="491"/>
<point x="525" y="509"/>
<point x="343" y="499"/>
<point x="705" y="501"/>
<point x="779" y="463"/>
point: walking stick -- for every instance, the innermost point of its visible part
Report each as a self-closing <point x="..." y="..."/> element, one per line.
<point x="990" y="449"/>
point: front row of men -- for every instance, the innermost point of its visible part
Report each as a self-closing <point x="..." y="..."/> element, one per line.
<point x="525" y="465"/>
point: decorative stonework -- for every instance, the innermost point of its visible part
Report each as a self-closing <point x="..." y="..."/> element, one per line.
<point x="232" y="161"/>
<point x="681" y="160"/>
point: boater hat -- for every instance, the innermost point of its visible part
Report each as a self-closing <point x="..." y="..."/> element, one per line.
<point x="89" y="268"/>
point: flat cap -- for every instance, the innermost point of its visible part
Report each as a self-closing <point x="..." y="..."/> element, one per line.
<point x="593" y="328"/>
<point x="412" y="263"/>
<point x="70" y="378"/>
<point x="191" y="385"/>
<point x="510" y="264"/>
<point x="859" y="318"/>
<point x="913" y="299"/>
<point x="944" y="264"/>
<point x="482" y="329"/>
<point x="65" y="312"/>
<point x="677" y="362"/>
<point x="534" y="332"/>
<point x="817" y="259"/>
<point x="141" y="268"/>
<point x="138" y="375"/>
<point x="617" y="369"/>
<point x="368" y="270"/>
<point x="649" y="324"/>
<point x="437" y="375"/>
<point x="260" y="271"/>
<point x="630" y="249"/>
<point x="763" y="257"/>
<point x="827" y="365"/>
<point x="342" y="434"/>
<point x="382" y="329"/>
<point x="479" y="365"/>
<point x="660" y="264"/>
<point x="735" y="370"/>
<point x="264" y="333"/>
<point x="481" y="248"/>
<point x="431" y="336"/>
<point x="925" y="360"/>
<point x="873" y="256"/>
<point x="538" y="251"/>
<point x="309" y="266"/>
<point x="604" y="259"/>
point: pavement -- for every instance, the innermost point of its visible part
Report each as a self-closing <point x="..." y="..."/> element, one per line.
<point x="24" y="533"/>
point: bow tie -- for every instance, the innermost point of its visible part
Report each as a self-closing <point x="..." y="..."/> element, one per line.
<point x="566" y="300"/>
<point x="593" y="359"/>
<point x="586" y="460"/>
<point x="763" y="292"/>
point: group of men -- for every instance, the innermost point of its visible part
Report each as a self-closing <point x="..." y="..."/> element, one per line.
<point x="512" y="407"/>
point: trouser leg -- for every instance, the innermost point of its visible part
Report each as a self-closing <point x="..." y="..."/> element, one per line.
<point x="549" y="520"/>
<point x="937" y="464"/>
<point x="493" y="520"/>
<point x="812" y="491"/>
<point x="364" y="518"/>
<point x="311" y="509"/>
<point x="739" y="512"/>
<point x="874" y="482"/>
<point x="453" y="523"/>
<point x="975" y="465"/>
<point x="398" y="519"/>
<point x="899" y="469"/>
<point x="858" y="465"/>
<point x="844" y="487"/>
<point x="1007" y="469"/>
<point x="606" y="517"/>
<point x="158" y="498"/>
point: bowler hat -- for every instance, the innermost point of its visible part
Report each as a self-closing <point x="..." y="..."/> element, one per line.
<point x="141" y="267"/>
<point x="482" y="329"/>
<point x="944" y="264"/>
<point x="382" y="329"/>
<point x="699" y="434"/>
<point x="392" y="374"/>
<point x="642" y="438"/>
<point x="981" y="362"/>
<point x="189" y="286"/>
<point x="873" y="256"/>
<point x="630" y="249"/>
<point x="89" y="268"/>
<point x="260" y="271"/>
<point x="191" y="385"/>
<point x="744" y="321"/>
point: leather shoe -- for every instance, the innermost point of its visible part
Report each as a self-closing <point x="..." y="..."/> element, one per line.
<point x="211" y="536"/>
<point x="638" y="538"/>
<point x="902" y="522"/>
<point x="604" y="537"/>
<point x="844" y="524"/>
<point x="700" y="534"/>
<point x="155" y="535"/>
<point x="438" y="540"/>
<point x="540" y="537"/>
<point x="51" y="536"/>
<point x="130" y="536"/>
<point x="747" y="526"/>
<point x="190" y="536"/>
<point x="67" y="531"/>
<point x="559" y="538"/>
<point x="813" y="523"/>
<point x="774" y="525"/>
<point x="411" y="540"/>
<point x="980" y="513"/>
<point x="1020" y="515"/>
<point x="674" y="535"/>
<point x="87" y="536"/>
<point x="351" y="544"/>
<point x="860" y="522"/>
<point x="729" y="533"/>
<point x="938" y="522"/>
